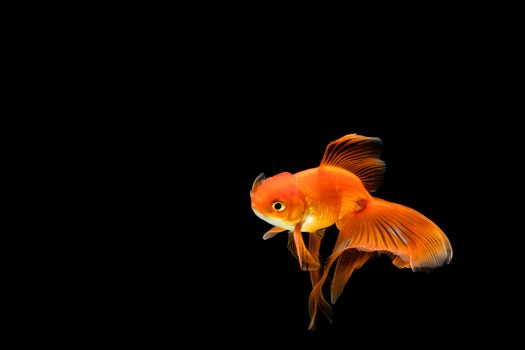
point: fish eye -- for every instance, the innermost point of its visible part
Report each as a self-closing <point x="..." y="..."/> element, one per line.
<point x="278" y="206"/>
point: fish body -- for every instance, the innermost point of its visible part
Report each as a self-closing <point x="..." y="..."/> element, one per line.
<point x="331" y="193"/>
<point x="338" y="192"/>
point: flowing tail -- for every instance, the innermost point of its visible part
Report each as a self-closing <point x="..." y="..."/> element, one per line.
<point x="413" y="241"/>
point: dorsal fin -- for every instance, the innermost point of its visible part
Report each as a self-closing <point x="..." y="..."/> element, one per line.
<point x="360" y="155"/>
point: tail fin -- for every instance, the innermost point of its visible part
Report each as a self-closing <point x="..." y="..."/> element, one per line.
<point x="413" y="239"/>
<point x="408" y="236"/>
<point x="314" y="243"/>
<point x="347" y="262"/>
<point x="317" y="300"/>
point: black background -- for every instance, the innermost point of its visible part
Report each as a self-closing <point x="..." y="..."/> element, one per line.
<point x="262" y="285"/>
<point x="194" y="259"/>
<point x="203" y="261"/>
<point x="181" y="116"/>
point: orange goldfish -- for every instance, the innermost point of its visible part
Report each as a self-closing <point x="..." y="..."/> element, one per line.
<point x="338" y="192"/>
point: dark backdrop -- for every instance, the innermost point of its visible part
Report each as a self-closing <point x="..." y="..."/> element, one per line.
<point x="207" y="265"/>
<point x="426" y="170"/>
<point x="197" y="261"/>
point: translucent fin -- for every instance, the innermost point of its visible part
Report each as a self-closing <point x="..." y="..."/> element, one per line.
<point x="317" y="301"/>
<point x="411" y="239"/>
<point x="291" y="245"/>
<point x="360" y="155"/>
<point x="349" y="261"/>
<point x="409" y="235"/>
<point x="314" y="243"/>
<point x="306" y="260"/>
<point x="272" y="232"/>
<point x="398" y="262"/>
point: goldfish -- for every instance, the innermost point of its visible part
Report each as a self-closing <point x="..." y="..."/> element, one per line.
<point x="339" y="192"/>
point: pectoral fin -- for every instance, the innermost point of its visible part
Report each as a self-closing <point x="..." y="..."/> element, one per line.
<point x="272" y="232"/>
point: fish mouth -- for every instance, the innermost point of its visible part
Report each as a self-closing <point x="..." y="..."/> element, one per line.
<point x="274" y="221"/>
<point x="259" y="215"/>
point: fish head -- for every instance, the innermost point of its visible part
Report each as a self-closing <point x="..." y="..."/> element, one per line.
<point x="278" y="200"/>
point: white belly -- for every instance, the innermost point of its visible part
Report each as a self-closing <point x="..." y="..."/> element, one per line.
<point x="275" y="222"/>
